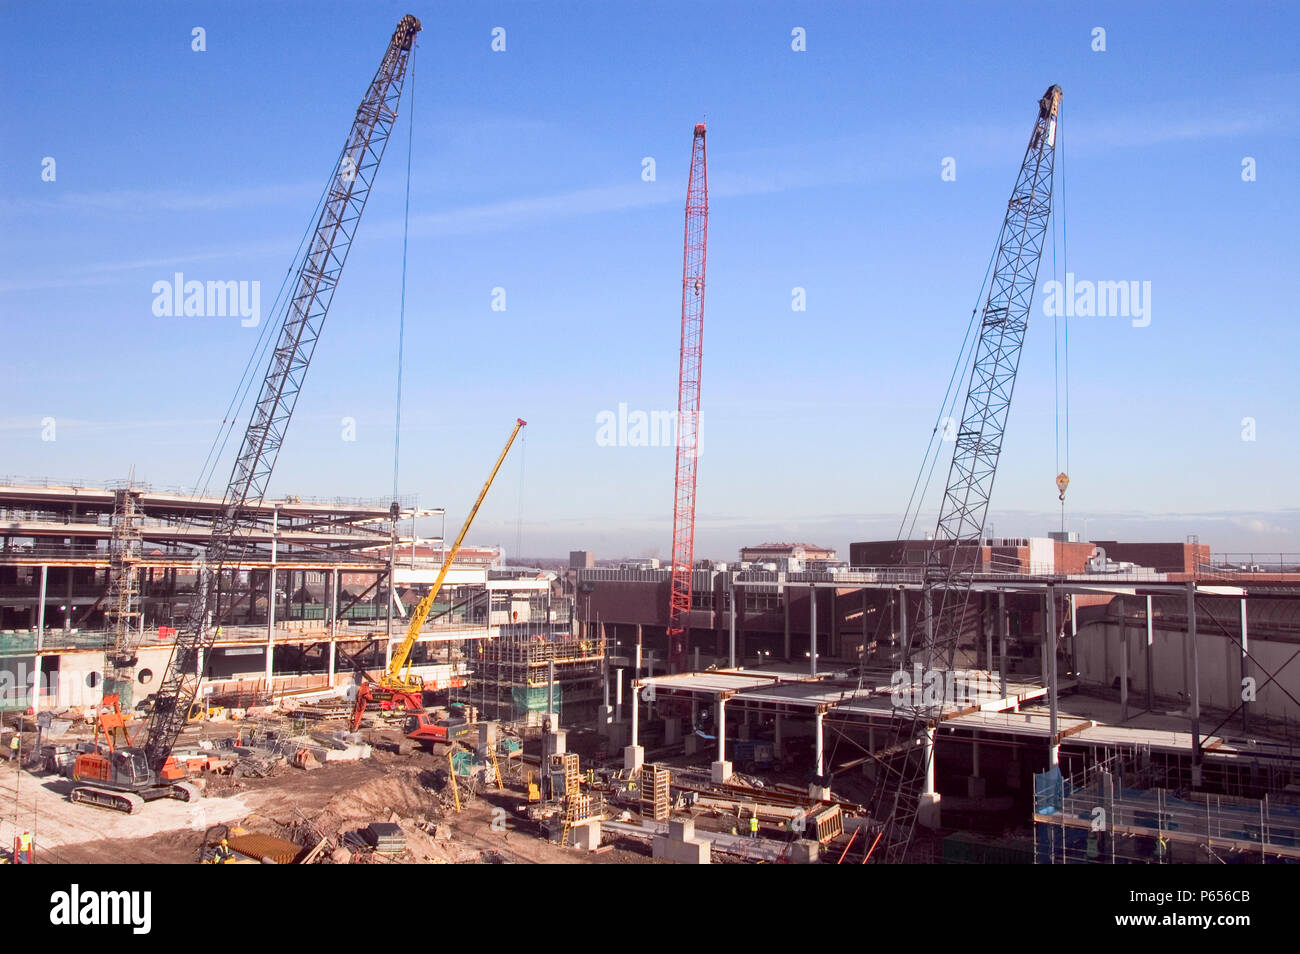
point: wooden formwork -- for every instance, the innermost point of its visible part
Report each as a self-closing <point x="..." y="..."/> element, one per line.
<point x="655" y="792"/>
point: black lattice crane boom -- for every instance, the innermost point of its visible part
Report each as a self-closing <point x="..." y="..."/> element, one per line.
<point x="317" y="277"/>
<point x="954" y="552"/>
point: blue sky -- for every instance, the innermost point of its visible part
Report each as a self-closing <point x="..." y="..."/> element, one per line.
<point x="824" y="171"/>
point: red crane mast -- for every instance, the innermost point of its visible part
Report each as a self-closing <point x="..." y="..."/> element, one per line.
<point x="688" y="403"/>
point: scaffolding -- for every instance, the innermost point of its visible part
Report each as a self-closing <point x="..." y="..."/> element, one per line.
<point x="511" y="679"/>
<point x="122" y="615"/>
<point x="1115" y="812"/>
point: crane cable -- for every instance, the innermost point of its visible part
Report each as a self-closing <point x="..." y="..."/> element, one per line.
<point x="946" y="409"/>
<point x="932" y="451"/>
<point x="235" y="408"/>
<point x="519" y="513"/>
<point x="401" y="314"/>
<point x="1061" y="341"/>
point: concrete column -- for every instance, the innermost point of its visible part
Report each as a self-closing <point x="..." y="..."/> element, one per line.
<point x="928" y="807"/>
<point x="334" y="620"/>
<point x="1074" y="635"/>
<point x="618" y="696"/>
<point x="777" y="742"/>
<point x="866" y="636"/>
<point x="731" y="641"/>
<point x="976" y="786"/>
<point x="833" y="649"/>
<point x="1195" y="670"/>
<point x="785" y="602"/>
<point x="392" y="591"/>
<point x="902" y="620"/>
<point x="1245" y="668"/>
<point x="1049" y="646"/>
<point x="1151" y="696"/>
<point x="722" y="729"/>
<point x="40" y="638"/>
<point x="636" y="694"/>
<point x="1049" y="628"/>
<point x="1002" y="642"/>
<point x="928" y="593"/>
<point x="927" y="753"/>
<point x="812" y="630"/>
<point x="720" y="770"/>
<point x="270" y="594"/>
<point x="986" y="631"/>
<point x="605" y="717"/>
<point x="819" y="757"/>
<point x="1123" y="659"/>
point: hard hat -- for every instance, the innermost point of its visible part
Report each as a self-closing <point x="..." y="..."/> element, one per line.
<point x="223" y="841"/>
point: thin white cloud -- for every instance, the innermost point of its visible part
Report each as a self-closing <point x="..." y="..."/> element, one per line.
<point x="154" y="201"/>
<point x="823" y="163"/>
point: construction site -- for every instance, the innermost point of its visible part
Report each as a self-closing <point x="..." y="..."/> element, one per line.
<point x="241" y="677"/>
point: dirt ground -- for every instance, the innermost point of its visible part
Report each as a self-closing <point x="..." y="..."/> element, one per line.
<point x="337" y="799"/>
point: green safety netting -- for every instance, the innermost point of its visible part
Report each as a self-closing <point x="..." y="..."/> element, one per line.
<point x="535" y="699"/>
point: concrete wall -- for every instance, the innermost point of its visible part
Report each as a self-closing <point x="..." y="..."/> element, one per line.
<point x="1219" y="664"/>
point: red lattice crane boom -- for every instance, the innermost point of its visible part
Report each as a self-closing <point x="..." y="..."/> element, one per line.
<point x="688" y="403"/>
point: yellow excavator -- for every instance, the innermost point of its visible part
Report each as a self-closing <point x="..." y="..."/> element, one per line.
<point x="396" y="688"/>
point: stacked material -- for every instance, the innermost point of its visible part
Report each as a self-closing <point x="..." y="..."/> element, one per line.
<point x="265" y="848"/>
<point x="388" y="838"/>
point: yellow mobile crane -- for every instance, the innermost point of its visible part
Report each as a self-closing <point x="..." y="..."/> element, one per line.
<point x="396" y="687"/>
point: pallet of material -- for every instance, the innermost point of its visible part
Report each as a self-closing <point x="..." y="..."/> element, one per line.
<point x="265" y="848"/>
<point x="387" y="838"/>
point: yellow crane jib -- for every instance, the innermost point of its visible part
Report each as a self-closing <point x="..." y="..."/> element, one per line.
<point x="398" y="676"/>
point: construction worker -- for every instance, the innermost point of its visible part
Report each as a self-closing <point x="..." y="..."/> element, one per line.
<point x="13" y="746"/>
<point x="753" y="825"/>
<point x="23" y="854"/>
<point x="224" y="853"/>
<point x="1162" y="849"/>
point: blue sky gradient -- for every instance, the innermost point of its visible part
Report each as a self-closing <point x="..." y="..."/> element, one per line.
<point x="824" y="173"/>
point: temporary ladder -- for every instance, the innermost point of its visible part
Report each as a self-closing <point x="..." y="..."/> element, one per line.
<point x="577" y="809"/>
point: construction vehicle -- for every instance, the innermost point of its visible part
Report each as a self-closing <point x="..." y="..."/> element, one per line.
<point x="423" y="726"/>
<point x="397" y="687"/>
<point x="119" y="776"/>
<point x="125" y="778"/>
